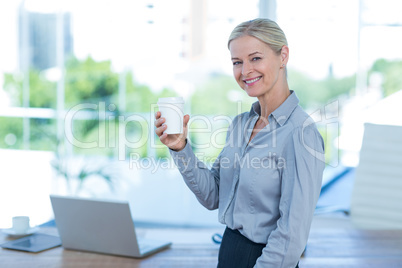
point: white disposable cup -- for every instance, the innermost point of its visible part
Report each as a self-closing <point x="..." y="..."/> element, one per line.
<point x="20" y="224"/>
<point x="172" y="110"/>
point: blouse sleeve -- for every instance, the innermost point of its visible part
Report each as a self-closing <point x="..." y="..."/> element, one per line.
<point x="301" y="180"/>
<point x="204" y="183"/>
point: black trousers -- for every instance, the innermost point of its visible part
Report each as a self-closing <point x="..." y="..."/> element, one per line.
<point x="237" y="251"/>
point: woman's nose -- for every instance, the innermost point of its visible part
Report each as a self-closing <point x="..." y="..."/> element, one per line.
<point x="246" y="68"/>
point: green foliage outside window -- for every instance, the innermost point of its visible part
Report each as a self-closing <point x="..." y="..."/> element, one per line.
<point x="317" y="93"/>
<point x="391" y="74"/>
<point x="11" y="132"/>
<point x="90" y="81"/>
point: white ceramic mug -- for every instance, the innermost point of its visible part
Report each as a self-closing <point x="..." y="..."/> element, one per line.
<point x="20" y="224"/>
<point x="172" y="110"/>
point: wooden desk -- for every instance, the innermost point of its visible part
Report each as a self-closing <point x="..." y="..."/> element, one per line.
<point x="183" y="252"/>
<point x="353" y="248"/>
<point x="194" y="248"/>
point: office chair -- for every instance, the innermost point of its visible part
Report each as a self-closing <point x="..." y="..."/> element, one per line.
<point x="376" y="201"/>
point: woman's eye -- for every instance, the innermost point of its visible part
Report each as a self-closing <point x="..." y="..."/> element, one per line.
<point x="256" y="58"/>
<point x="236" y="62"/>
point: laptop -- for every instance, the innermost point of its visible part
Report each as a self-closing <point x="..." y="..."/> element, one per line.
<point x="100" y="226"/>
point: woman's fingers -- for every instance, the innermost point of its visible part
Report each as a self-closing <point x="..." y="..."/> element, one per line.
<point x="185" y="120"/>
<point x="158" y="119"/>
<point x="173" y="141"/>
<point x="159" y="124"/>
<point x="163" y="137"/>
<point x="159" y="130"/>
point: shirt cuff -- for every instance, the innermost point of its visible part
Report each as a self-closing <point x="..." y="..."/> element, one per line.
<point x="183" y="158"/>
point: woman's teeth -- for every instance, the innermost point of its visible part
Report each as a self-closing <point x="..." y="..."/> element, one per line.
<point x="252" y="81"/>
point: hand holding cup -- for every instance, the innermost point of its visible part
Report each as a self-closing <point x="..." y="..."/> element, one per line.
<point x="171" y="124"/>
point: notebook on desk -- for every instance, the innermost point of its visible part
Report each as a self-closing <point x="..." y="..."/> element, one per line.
<point x="100" y="226"/>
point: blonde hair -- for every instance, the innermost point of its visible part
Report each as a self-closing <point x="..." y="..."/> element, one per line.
<point x="265" y="30"/>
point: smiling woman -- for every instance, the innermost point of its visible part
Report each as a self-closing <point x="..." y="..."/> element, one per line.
<point x="259" y="61"/>
<point x="258" y="69"/>
<point x="267" y="209"/>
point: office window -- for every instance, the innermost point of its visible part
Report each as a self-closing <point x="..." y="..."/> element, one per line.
<point x="80" y="81"/>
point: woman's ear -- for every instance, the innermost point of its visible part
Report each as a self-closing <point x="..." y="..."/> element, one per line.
<point x="284" y="55"/>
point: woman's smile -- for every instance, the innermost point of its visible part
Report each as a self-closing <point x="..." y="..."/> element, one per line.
<point x="256" y="67"/>
<point x="250" y="82"/>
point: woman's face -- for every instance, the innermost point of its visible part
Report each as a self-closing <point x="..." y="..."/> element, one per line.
<point x="256" y="67"/>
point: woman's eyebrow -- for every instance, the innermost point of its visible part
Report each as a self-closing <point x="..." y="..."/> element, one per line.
<point x="252" y="54"/>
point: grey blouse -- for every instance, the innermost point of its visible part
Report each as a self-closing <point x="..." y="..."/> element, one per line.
<point x="268" y="188"/>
